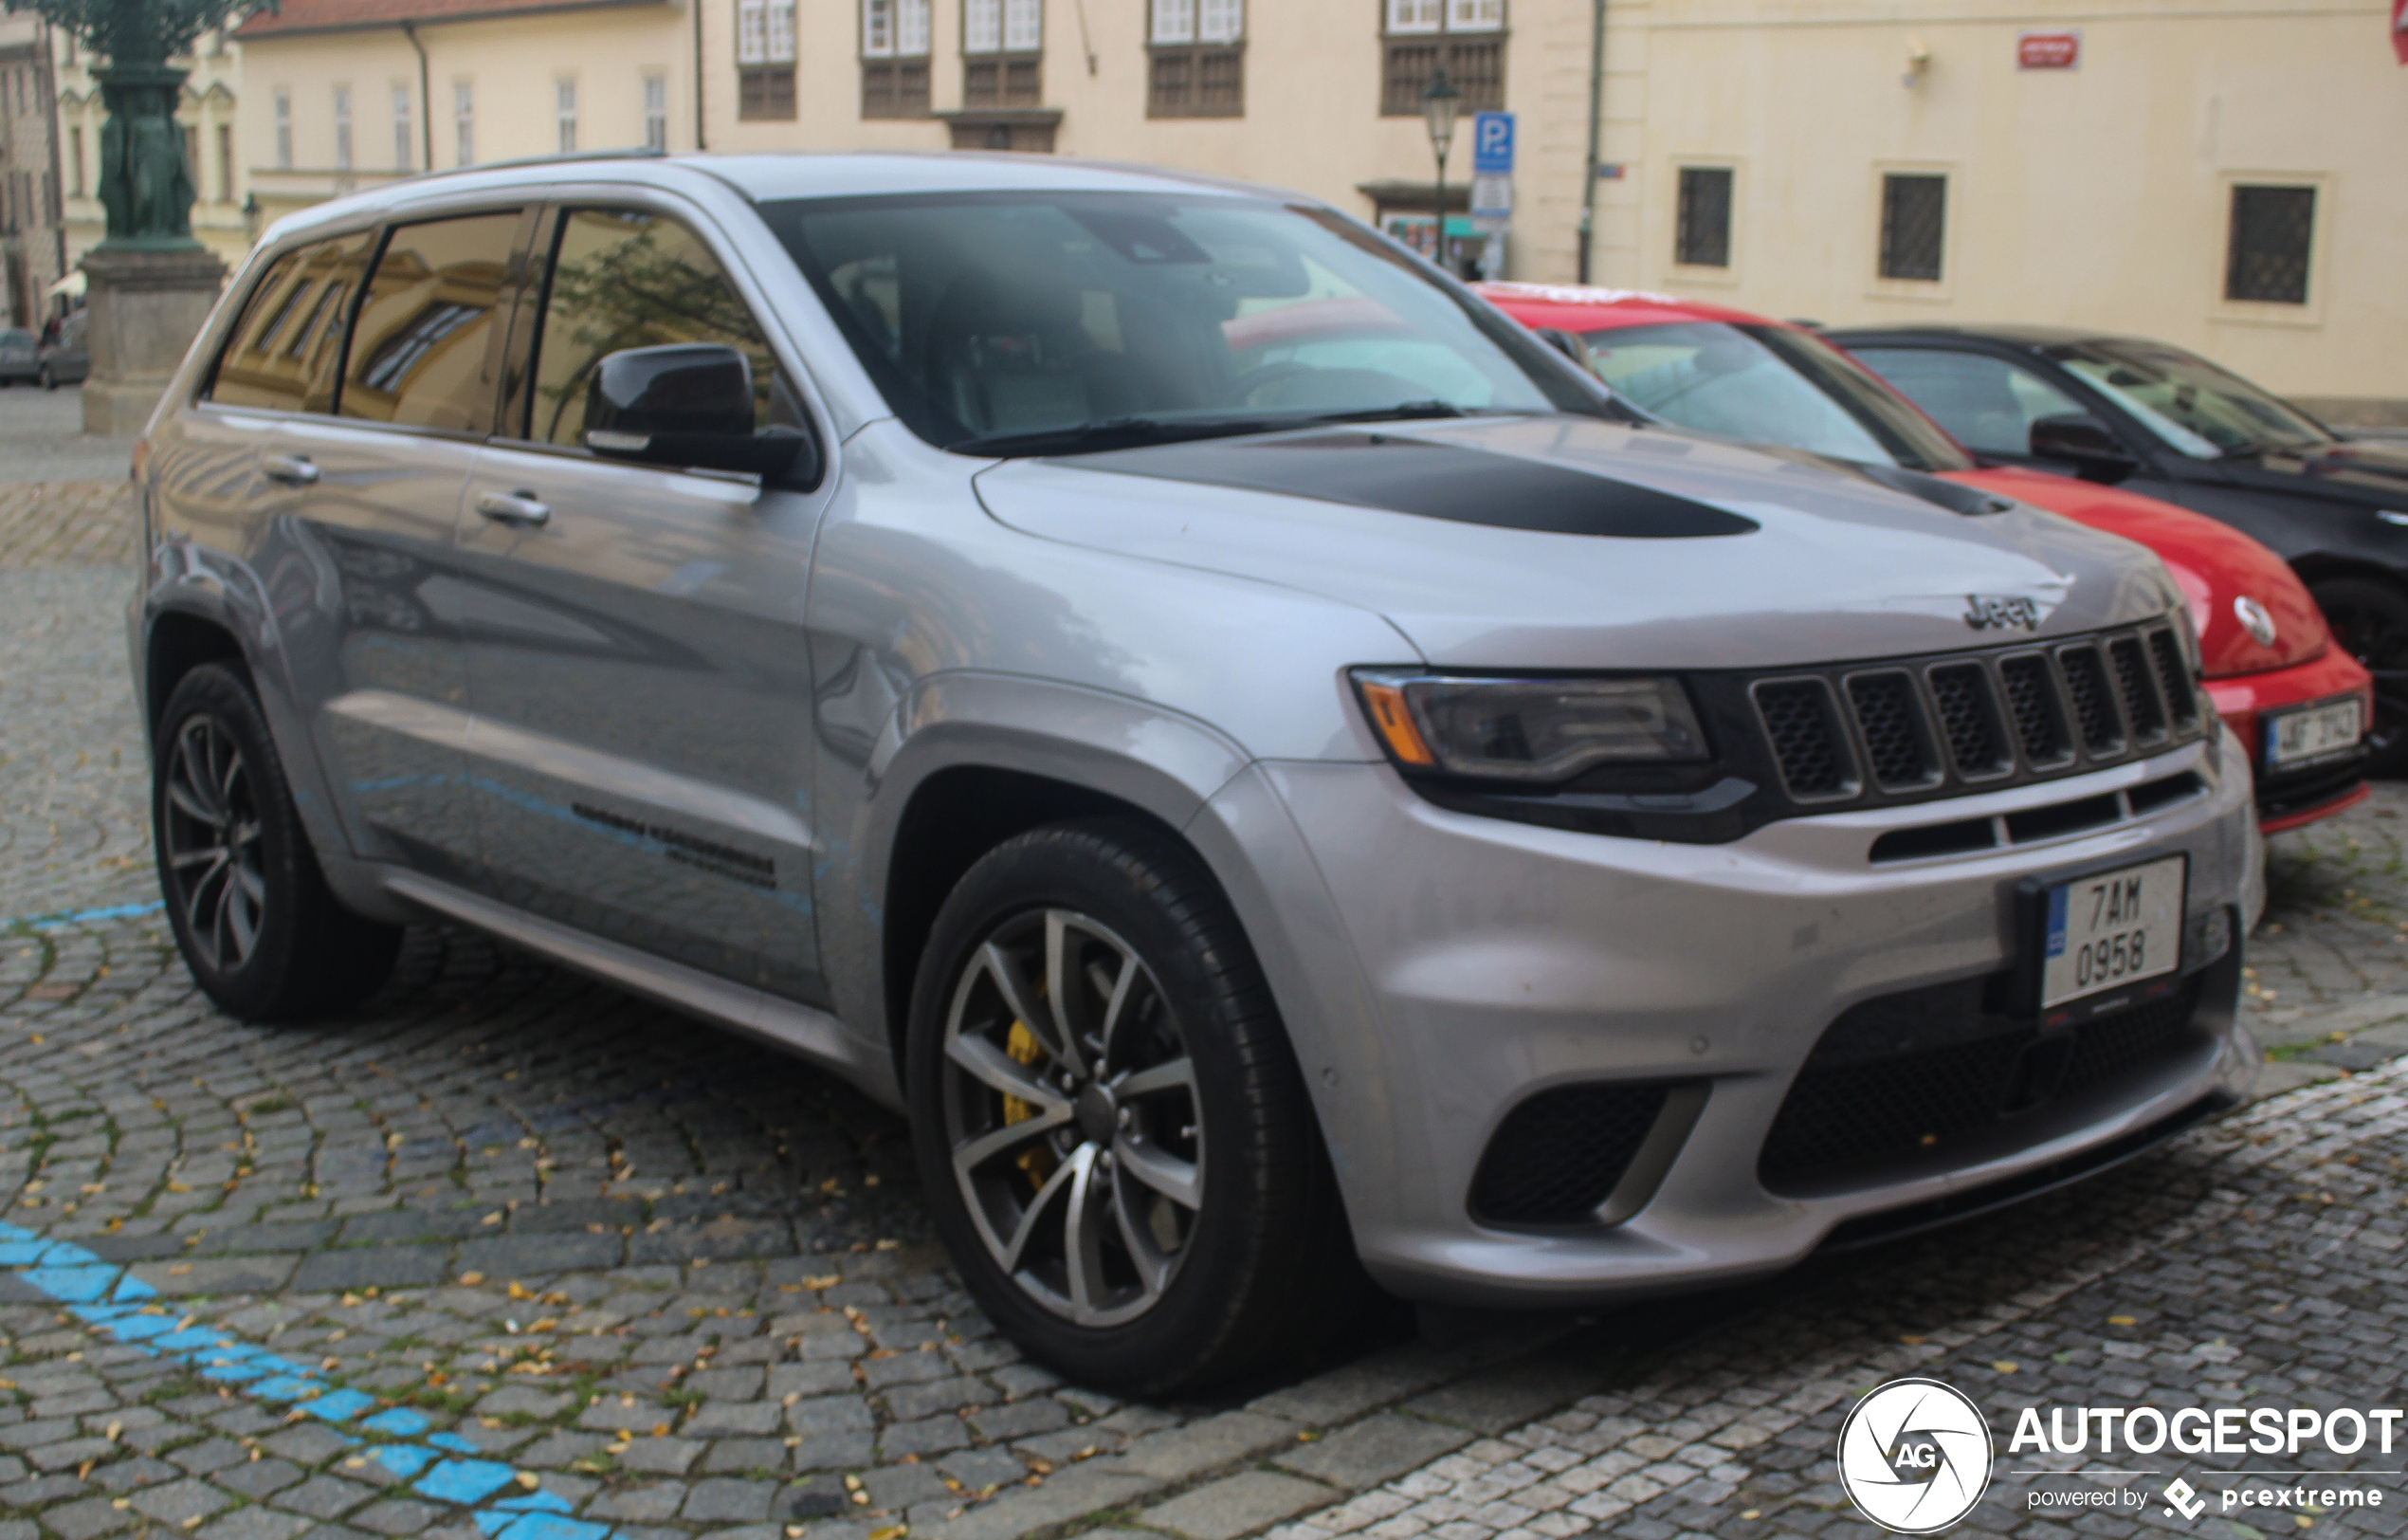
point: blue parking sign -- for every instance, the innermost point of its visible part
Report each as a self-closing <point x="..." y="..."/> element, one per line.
<point x="1491" y="143"/>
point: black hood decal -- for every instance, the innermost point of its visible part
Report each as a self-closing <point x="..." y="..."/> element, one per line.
<point x="1404" y="474"/>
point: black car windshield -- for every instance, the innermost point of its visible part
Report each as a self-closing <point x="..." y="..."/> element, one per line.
<point x="2191" y="404"/>
<point x="1769" y="384"/>
<point x="1033" y="323"/>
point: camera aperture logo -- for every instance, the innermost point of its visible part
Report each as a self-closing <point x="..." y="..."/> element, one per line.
<point x="1914" y="1456"/>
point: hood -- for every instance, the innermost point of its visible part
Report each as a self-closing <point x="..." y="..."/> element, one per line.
<point x="1567" y="543"/>
<point x="2216" y="565"/>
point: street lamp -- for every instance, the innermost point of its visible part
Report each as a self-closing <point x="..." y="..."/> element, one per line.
<point x="1439" y="105"/>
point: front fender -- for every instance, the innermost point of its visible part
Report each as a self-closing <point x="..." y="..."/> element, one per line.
<point x="1159" y="761"/>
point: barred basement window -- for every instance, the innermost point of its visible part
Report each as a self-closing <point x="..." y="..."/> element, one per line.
<point x="1466" y="36"/>
<point x="2267" y="263"/>
<point x="1196" y="58"/>
<point x="894" y="58"/>
<point x="1914" y="220"/>
<point x="764" y="60"/>
<point x="1702" y="233"/>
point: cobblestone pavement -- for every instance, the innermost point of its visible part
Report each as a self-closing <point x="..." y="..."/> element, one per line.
<point x="654" y="1281"/>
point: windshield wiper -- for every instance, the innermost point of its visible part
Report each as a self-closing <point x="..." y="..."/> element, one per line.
<point x="1116" y="433"/>
<point x="1402" y="411"/>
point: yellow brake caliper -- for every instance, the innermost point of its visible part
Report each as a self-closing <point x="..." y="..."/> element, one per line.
<point x="1038" y="1159"/>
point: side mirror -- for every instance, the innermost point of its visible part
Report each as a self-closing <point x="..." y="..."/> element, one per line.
<point x="2082" y="441"/>
<point x="1565" y="343"/>
<point x="689" y="406"/>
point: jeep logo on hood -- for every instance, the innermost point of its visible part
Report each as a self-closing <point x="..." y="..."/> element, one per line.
<point x="2003" y="612"/>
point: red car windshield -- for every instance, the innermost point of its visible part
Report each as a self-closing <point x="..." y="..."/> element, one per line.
<point x="1768" y="384"/>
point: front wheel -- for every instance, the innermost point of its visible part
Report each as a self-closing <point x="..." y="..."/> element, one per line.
<point x="260" y="931"/>
<point x="2370" y="620"/>
<point x="1115" y="1140"/>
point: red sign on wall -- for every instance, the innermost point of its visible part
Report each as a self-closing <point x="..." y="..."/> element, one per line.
<point x="2048" y="50"/>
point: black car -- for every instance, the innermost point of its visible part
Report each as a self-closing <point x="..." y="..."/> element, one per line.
<point x="2155" y="419"/>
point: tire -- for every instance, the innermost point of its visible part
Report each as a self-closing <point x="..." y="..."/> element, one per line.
<point x="2370" y="620"/>
<point x="1259" y="1267"/>
<point x="258" y="929"/>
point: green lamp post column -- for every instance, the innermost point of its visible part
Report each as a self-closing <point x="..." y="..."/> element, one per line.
<point x="147" y="283"/>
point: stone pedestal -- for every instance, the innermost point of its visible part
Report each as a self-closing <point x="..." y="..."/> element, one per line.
<point x="147" y="306"/>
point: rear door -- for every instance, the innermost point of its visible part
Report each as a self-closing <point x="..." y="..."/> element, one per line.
<point x="364" y="486"/>
<point x="636" y="649"/>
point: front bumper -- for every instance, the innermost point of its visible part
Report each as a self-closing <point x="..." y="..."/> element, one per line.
<point x="1499" y="960"/>
<point x="2301" y="797"/>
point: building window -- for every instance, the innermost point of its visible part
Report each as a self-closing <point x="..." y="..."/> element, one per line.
<point x="403" y="156"/>
<point x="656" y="112"/>
<point x="1196" y="58"/>
<point x="894" y="58"/>
<point x="463" y="122"/>
<point x="1002" y="42"/>
<point x="1914" y="220"/>
<point x="2267" y="261"/>
<point x="1466" y="36"/>
<point x="765" y="59"/>
<point x="564" y="113"/>
<point x="75" y="161"/>
<point x="283" y="137"/>
<point x="342" y="128"/>
<point x="1702" y="226"/>
<point x="225" y="162"/>
<point x="193" y="156"/>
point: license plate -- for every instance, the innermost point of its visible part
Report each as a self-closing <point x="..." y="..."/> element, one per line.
<point x="2112" y="928"/>
<point x="2297" y="736"/>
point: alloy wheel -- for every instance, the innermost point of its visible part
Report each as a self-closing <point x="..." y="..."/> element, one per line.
<point x="1071" y="1114"/>
<point x="212" y="831"/>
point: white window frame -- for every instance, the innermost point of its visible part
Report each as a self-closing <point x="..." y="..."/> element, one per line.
<point x="1173" y="22"/>
<point x="764" y="31"/>
<point x="405" y="155"/>
<point x="564" y="112"/>
<point x="283" y="138"/>
<point x="463" y="122"/>
<point x="1409" y="17"/>
<point x="982" y="26"/>
<point x="342" y="128"/>
<point x="656" y="112"/>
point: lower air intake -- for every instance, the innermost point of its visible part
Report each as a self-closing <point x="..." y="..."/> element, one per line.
<point x="1558" y="1156"/>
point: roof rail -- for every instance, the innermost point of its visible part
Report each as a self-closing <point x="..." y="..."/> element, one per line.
<point x="569" y="158"/>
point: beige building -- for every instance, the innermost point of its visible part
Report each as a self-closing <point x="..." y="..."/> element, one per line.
<point x="1848" y="160"/>
<point x="348" y="93"/>
<point x="209" y="117"/>
<point x="2222" y="174"/>
<point x="32" y="252"/>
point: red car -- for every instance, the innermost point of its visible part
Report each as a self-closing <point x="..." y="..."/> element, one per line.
<point x="2300" y="704"/>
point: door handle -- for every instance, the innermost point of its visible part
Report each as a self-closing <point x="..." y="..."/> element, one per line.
<point x="292" y="470"/>
<point x="518" y="509"/>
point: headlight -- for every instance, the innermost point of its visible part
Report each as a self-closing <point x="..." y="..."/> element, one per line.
<point x="1528" y="729"/>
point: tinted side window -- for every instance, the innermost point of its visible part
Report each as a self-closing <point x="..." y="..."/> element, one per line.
<point x="623" y="279"/>
<point x="287" y="350"/>
<point x="1988" y="403"/>
<point x="422" y="349"/>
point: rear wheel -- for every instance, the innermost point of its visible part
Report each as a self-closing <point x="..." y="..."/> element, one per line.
<point x="2370" y="620"/>
<point x="258" y="929"/>
<point x="1112" y="1133"/>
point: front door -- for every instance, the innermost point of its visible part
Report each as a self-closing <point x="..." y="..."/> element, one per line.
<point x="635" y="640"/>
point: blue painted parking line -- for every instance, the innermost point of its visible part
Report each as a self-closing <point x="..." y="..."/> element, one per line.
<point x="440" y="1466"/>
<point x="80" y="917"/>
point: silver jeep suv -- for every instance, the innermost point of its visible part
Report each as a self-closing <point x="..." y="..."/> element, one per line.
<point x="1286" y="784"/>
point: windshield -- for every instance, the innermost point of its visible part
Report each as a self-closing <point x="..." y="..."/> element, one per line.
<point x="1770" y="385"/>
<point x="2188" y="402"/>
<point x="1025" y="321"/>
